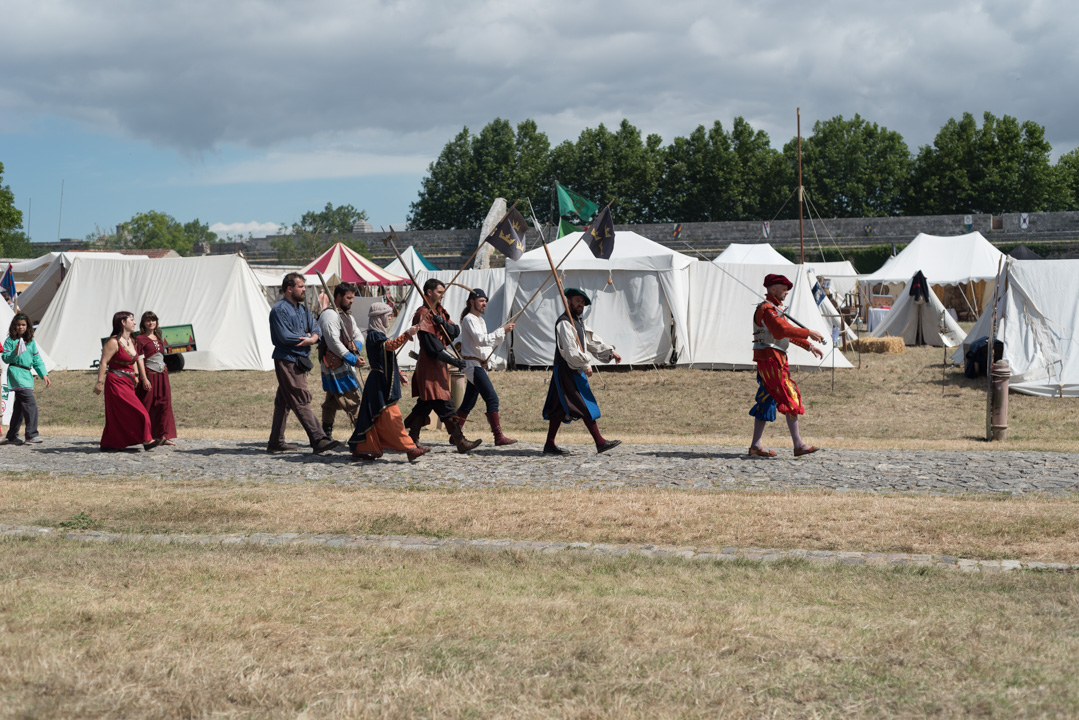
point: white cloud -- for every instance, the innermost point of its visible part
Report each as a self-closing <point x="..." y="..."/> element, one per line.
<point x="313" y="165"/>
<point x="242" y="230"/>
<point x="202" y="75"/>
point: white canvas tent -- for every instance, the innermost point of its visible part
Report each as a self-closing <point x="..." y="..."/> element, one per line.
<point x="35" y="301"/>
<point x="218" y="295"/>
<point x="721" y="303"/>
<point x="638" y="299"/>
<point x="751" y="254"/>
<point x="1038" y="322"/>
<point x="918" y="322"/>
<point x="413" y="260"/>
<point x="968" y="261"/>
<point x="492" y="281"/>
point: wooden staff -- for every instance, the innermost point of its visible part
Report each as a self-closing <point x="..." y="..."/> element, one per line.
<point x="989" y="353"/>
<point x="552" y="274"/>
<point x="465" y="266"/>
<point x="561" y="294"/>
<point x="389" y="241"/>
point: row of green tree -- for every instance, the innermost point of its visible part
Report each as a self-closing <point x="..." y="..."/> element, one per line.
<point x="850" y="167"/>
<point x="303" y="241"/>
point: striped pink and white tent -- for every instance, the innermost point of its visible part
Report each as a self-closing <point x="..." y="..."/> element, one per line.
<point x="350" y="266"/>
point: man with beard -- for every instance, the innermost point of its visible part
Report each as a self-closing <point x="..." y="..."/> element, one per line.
<point x="338" y="353"/>
<point x="293" y="332"/>
<point x="431" y="378"/>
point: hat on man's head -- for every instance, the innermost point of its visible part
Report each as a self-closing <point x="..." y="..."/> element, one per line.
<point x="379" y="308"/>
<point x="574" y="292"/>
<point x="773" y="279"/>
<point x="476" y="294"/>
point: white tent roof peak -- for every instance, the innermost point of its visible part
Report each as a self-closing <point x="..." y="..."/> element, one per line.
<point x="752" y="254"/>
<point x="944" y="260"/>
<point x="631" y="251"/>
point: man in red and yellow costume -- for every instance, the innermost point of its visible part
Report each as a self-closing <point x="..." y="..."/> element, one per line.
<point x="772" y="335"/>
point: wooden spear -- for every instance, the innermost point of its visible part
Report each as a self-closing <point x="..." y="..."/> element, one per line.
<point x="388" y="240"/>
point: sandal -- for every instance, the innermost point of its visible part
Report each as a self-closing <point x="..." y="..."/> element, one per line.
<point x="760" y="452"/>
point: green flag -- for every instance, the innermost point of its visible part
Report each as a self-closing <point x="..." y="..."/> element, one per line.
<point x="570" y="202"/>
<point x="565" y="228"/>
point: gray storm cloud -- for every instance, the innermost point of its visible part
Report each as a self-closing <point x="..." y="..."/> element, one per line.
<point x="199" y="75"/>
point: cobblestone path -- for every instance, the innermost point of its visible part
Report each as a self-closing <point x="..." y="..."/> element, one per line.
<point x="522" y="465"/>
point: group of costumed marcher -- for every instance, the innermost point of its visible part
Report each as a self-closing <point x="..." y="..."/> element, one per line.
<point x="135" y="382"/>
<point x="138" y="398"/>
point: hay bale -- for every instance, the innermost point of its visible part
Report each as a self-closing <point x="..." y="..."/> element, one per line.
<point x="882" y="346"/>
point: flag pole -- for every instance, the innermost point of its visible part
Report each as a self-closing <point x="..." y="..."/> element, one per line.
<point x="562" y="294"/>
<point x="388" y="240"/>
<point x="547" y="279"/>
<point x="465" y="266"/>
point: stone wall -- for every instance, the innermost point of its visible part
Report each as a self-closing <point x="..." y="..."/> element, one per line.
<point x="450" y="248"/>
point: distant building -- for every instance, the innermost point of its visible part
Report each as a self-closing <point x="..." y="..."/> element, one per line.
<point x="362" y="226"/>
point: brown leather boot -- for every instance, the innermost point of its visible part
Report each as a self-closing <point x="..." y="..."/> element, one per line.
<point x="496" y="430"/>
<point x="460" y="421"/>
<point x="457" y="437"/>
<point x="415" y="424"/>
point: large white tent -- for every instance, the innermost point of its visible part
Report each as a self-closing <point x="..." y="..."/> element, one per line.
<point x="638" y="298"/>
<point x="218" y="295"/>
<point x="1038" y="322"/>
<point x="920" y="322"/>
<point x="35" y="301"/>
<point x="969" y="262"/>
<point x="721" y="302"/>
<point x="492" y="281"/>
<point x="751" y="254"/>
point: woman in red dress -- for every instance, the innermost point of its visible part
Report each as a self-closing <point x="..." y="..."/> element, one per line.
<point x="158" y="399"/>
<point x="126" y="420"/>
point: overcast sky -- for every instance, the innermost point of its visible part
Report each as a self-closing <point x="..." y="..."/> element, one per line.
<point x="245" y="114"/>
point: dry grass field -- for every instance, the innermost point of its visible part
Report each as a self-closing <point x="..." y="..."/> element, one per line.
<point x="889" y="401"/>
<point x="145" y="630"/>
<point x="125" y="631"/>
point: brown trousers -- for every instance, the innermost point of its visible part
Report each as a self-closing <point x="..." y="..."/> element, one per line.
<point x="292" y="394"/>
<point x="349" y="402"/>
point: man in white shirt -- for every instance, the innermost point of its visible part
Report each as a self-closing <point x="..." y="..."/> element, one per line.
<point x="569" y="396"/>
<point x="338" y="353"/>
<point x="477" y="347"/>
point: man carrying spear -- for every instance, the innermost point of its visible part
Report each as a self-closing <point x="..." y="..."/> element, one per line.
<point x="772" y="335"/>
<point x="431" y="378"/>
<point x="569" y="397"/>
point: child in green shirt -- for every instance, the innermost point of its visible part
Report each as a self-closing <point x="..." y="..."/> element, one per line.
<point x="23" y="360"/>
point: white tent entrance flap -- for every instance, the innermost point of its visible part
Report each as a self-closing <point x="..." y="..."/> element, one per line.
<point x="920" y="322"/>
<point x="721" y="303"/>
<point x="1038" y="318"/>
<point x="638" y="299"/>
<point x="219" y="296"/>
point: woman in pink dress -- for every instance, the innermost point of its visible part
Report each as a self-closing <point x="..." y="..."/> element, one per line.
<point x="158" y="399"/>
<point x="126" y="420"/>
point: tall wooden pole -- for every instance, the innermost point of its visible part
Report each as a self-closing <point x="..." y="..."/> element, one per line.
<point x="801" y="228"/>
<point x="562" y="294"/>
<point x="389" y="241"/>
